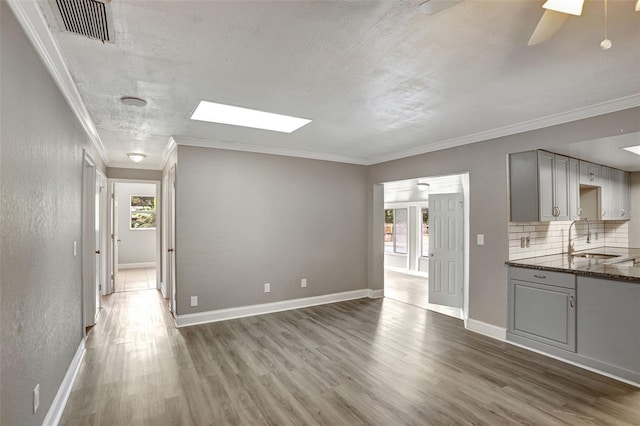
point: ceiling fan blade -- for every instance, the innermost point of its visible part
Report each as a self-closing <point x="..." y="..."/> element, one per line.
<point x="572" y="7"/>
<point x="549" y="25"/>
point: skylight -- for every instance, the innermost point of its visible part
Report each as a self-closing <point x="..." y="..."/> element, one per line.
<point x="237" y="116"/>
<point x="634" y="149"/>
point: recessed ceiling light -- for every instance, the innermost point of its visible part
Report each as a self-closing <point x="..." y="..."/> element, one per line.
<point x="136" y="157"/>
<point x="423" y="186"/>
<point x="634" y="149"/>
<point x="237" y="116"/>
<point x="133" y="101"/>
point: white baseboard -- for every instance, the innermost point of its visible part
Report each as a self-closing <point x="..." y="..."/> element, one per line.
<point x="136" y="265"/>
<point x="375" y="294"/>
<point x="267" y="308"/>
<point x="60" y="401"/>
<point x="487" y="329"/>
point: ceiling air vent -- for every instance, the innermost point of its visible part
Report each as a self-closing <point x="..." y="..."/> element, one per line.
<point x="89" y="18"/>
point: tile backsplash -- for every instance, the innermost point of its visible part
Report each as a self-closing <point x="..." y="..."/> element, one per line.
<point x="552" y="237"/>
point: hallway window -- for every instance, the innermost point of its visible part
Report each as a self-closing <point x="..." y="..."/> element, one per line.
<point x="143" y="212"/>
<point x="395" y="230"/>
<point x="424" y="243"/>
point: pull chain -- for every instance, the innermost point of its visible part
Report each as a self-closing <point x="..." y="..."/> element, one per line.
<point x="606" y="43"/>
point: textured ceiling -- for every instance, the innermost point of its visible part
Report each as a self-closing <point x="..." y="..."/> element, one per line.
<point x="377" y="78"/>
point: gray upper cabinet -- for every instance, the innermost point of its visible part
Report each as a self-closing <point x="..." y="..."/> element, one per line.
<point x="540" y="186"/>
<point x="615" y="194"/>
<point x="544" y="186"/>
<point x="589" y="173"/>
<point x="574" y="189"/>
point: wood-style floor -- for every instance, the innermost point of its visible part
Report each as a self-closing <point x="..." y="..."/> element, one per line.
<point x="136" y="279"/>
<point x="377" y="362"/>
<point x="406" y="288"/>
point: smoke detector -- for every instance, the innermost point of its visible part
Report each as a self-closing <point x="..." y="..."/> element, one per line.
<point x="88" y="18"/>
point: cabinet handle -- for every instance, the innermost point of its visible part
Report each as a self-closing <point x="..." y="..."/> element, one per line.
<point x="579" y="211"/>
<point x="571" y="301"/>
<point x="622" y="212"/>
<point x="604" y="212"/>
<point x="542" y="277"/>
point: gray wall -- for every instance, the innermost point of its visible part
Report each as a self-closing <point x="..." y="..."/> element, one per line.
<point x="135" y="174"/>
<point x="136" y="246"/>
<point x="634" y="223"/>
<point x="245" y="219"/>
<point x="486" y="163"/>
<point x="40" y="191"/>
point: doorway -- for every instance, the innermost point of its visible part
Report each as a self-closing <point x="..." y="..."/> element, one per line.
<point x="134" y="259"/>
<point x="425" y="240"/>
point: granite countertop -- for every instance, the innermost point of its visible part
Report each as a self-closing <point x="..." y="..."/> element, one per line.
<point x="617" y="268"/>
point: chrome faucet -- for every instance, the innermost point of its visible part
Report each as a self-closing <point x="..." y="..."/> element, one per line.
<point x="570" y="248"/>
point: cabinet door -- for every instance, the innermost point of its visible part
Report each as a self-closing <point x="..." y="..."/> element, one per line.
<point x="589" y="173"/>
<point x="619" y="194"/>
<point x="561" y="187"/>
<point x="625" y="196"/>
<point x="608" y="321"/>
<point x="574" y="190"/>
<point x="605" y="193"/>
<point x="543" y="313"/>
<point x="545" y="186"/>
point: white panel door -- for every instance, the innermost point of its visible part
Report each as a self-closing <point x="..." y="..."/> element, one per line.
<point x="446" y="249"/>
<point x="114" y="237"/>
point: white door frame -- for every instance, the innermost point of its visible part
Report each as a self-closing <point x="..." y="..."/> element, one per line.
<point x="377" y="248"/>
<point x="159" y="230"/>
<point x="170" y="240"/>
<point x="101" y="236"/>
<point x="89" y="308"/>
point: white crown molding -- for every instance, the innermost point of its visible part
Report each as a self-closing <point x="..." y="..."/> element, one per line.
<point x="538" y="123"/>
<point x="287" y="152"/>
<point x="35" y="26"/>
<point x="62" y="396"/>
<point x="168" y="152"/>
<point x="267" y="308"/>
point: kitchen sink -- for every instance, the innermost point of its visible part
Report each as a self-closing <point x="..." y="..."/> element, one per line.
<point x="595" y="255"/>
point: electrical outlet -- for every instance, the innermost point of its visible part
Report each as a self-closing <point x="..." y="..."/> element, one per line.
<point x="267" y="288"/>
<point x="75" y="249"/>
<point x="36" y="398"/>
<point x="194" y="301"/>
<point x="303" y="282"/>
<point x="480" y="239"/>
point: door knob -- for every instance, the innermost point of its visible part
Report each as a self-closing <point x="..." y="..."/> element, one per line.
<point x="430" y="254"/>
<point x="170" y="250"/>
<point x="97" y="251"/>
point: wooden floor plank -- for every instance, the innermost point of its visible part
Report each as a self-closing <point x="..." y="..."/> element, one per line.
<point x="361" y="362"/>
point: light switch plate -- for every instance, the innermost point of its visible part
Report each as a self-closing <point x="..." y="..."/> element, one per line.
<point x="194" y="301"/>
<point x="480" y="239"/>
<point x="267" y="288"/>
<point x="303" y="282"/>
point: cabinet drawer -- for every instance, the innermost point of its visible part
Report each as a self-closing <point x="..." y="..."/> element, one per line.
<point x="558" y="279"/>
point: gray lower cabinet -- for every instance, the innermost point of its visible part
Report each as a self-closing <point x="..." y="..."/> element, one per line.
<point x="609" y="324"/>
<point x="542" y="307"/>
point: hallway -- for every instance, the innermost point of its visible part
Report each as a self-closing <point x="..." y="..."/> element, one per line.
<point x="364" y="361"/>
<point x="136" y="279"/>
